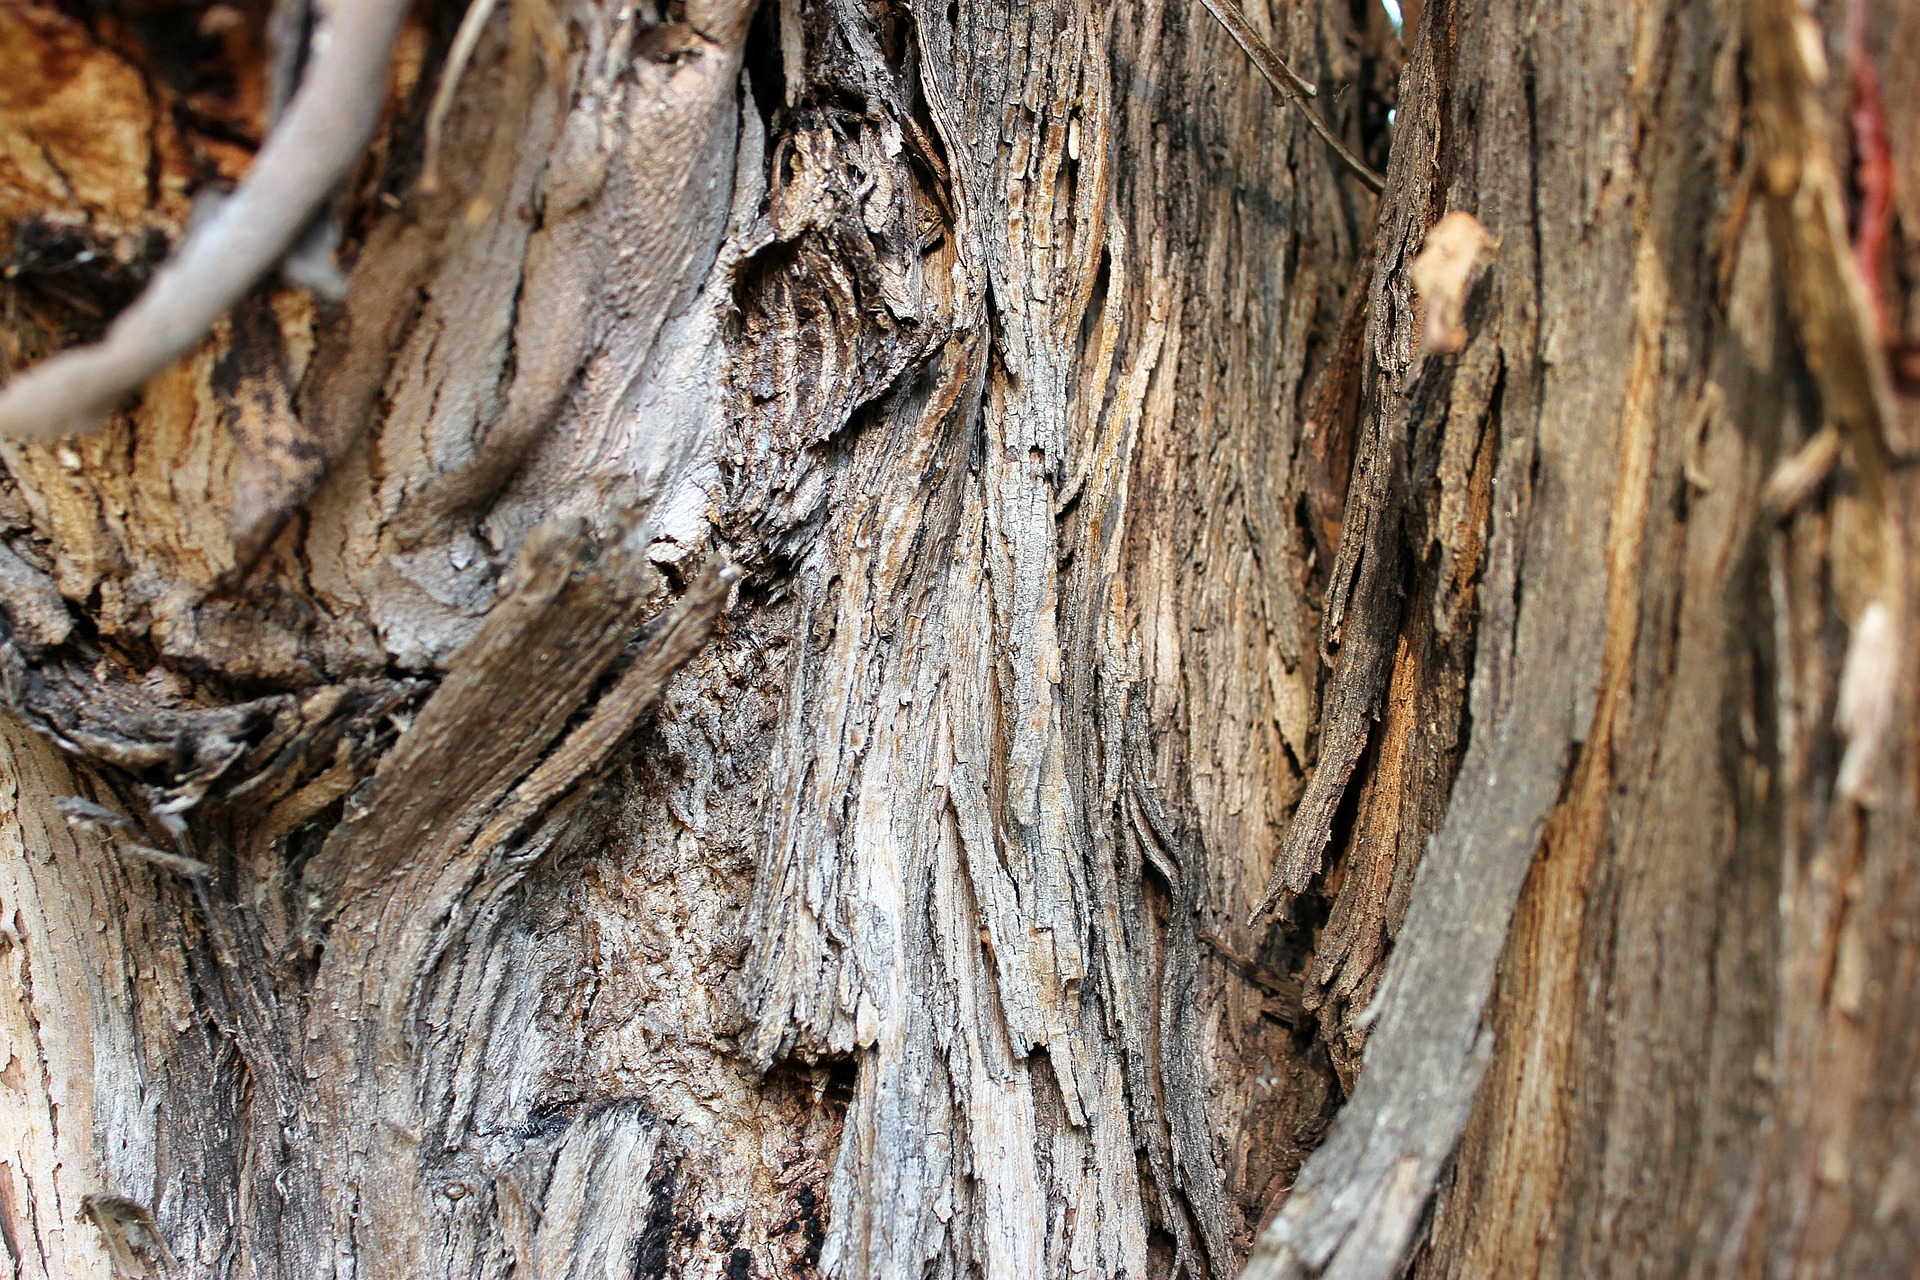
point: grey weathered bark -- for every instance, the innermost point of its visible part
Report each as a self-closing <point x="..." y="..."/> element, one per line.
<point x="725" y="709"/>
<point x="907" y="933"/>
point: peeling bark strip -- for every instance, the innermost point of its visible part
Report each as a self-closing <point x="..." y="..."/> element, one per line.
<point x="441" y="838"/>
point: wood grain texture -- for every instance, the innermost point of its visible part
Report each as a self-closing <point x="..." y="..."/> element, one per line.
<point x="908" y="935"/>
<point x="1654" y="689"/>
<point x="727" y="712"/>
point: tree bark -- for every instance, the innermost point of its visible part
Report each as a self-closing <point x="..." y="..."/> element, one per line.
<point x="879" y="638"/>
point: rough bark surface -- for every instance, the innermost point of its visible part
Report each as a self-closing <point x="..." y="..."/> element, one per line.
<point x="1705" y="1021"/>
<point x="866" y="644"/>
<point x="430" y="908"/>
<point x="1686" y="665"/>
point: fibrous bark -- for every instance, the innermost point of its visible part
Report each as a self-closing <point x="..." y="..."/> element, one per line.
<point x="1681" y="678"/>
<point x="903" y="929"/>
<point x="876" y="640"/>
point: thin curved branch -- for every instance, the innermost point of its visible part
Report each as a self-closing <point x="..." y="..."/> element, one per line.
<point x="323" y="132"/>
<point x="465" y="41"/>
<point x="1289" y="85"/>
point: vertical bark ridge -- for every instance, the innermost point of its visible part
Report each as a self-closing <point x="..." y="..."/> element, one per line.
<point x="1542" y="620"/>
<point x="911" y="937"/>
<point x="980" y="821"/>
<point x="1659" y="766"/>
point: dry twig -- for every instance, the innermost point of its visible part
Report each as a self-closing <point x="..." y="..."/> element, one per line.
<point x="1290" y="86"/>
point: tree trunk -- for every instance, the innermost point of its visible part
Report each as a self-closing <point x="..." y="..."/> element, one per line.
<point x="878" y="638"/>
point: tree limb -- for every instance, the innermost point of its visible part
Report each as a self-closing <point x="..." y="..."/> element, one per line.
<point x="1290" y="86"/>
<point x="325" y="128"/>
